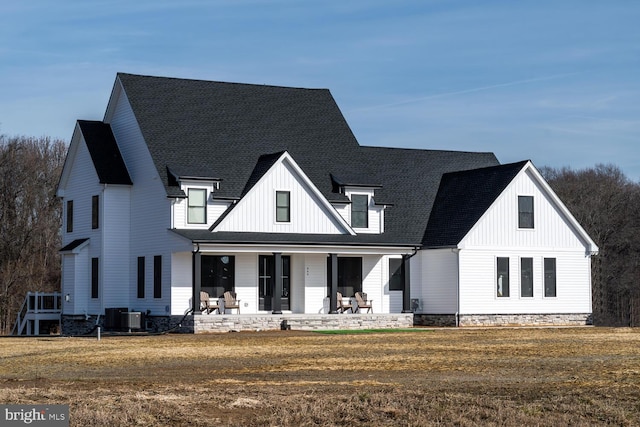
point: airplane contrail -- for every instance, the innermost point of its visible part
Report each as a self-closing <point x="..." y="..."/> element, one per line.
<point x="460" y="92"/>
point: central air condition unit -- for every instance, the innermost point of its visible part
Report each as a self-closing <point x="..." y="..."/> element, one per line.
<point x="131" y="320"/>
<point x="415" y="305"/>
<point x="113" y="318"/>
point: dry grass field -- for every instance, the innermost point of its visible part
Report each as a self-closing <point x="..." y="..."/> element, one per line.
<point x="463" y="377"/>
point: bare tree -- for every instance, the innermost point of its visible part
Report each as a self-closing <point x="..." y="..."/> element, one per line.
<point x="30" y="218"/>
<point x="606" y="203"/>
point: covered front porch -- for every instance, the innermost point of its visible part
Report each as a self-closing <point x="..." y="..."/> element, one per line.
<point x="290" y="279"/>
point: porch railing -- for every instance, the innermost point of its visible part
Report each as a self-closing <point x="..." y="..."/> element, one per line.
<point x="36" y="307"/>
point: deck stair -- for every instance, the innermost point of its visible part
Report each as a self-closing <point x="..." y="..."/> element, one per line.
<point x="39" y="309"/>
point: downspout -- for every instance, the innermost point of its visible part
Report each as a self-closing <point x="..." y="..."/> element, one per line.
<point x="406" y="293"/>
<point x="457" y="252"/>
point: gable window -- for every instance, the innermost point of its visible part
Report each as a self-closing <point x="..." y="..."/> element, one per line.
<point x="525" y="211"/>
<point x="197" y="206"/>
<point x="69" y="216"/>
<point x="95" y="264"/>
<point x="157" y="276"/>
<point x="360" y="211"/>
<point x="283" y="206"/>
<point x="502" y="277"/>
<point x="526" y="277"/>
<point x="141" y="278"/>
<point x="550" y="277"/>
<point x="396" y="278"/>
<point x="95" y="212"/>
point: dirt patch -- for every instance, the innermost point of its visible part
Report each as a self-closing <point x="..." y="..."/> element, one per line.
<point x="525" y="377"/>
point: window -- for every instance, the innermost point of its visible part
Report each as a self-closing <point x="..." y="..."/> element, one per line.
<point x="217" y="274"/>
<point x="360" y="211"/>
<point x="157" y="276"/>
<point x="94" y="277"/>
<point x="95" y="212"/>
<point x="69" y="216"/>
<point x="396" y="277"/>
<point x="525" y="211"/>
<point x="550" y="277"/>
<point x="141" y="277"/>
<point x="283" y="208"/>
<point x="349" y="275"/>
<point x="503" y="277"/>
<point x="526" y="277"/>
<point x="197" y="209"/>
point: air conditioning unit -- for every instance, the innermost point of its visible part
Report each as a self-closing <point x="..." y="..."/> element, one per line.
<point x="113" y="318"/>
<point x="131" y="320"/>
<point x="415" y="305"/>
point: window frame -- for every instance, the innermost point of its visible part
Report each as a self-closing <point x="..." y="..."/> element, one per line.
<point x="360" y="207"/>
<point x="141" y="276"/>
<point x="526" y="280"/>
<point x="396" y="273"/>
<point x="283" y="208"/>
<point x="499" y="284"/>
<point x="69" y="216"/>
<point x="157" y="276"/>
<point x="526" y="218"/>
<point x="555" y="277"/>
<point x="95" y="278"/>
<point x="200" y="209"/>
<point x="95" y="212"/>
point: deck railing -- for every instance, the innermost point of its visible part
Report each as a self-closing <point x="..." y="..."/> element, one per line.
<point x="37" y="306"/>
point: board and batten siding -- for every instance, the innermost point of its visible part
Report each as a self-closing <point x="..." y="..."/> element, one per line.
<point x="256" y="212"/>
<point x="150" y="209"/>
<point x="114" y="222"/>
<point x="498" y="227"/>
<point x="478" y="283"/>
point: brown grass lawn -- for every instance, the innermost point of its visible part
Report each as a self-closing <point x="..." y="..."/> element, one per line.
<point x="464" y="377"/>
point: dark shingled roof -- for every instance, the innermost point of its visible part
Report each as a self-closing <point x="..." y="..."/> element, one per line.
<point x="104" y="152"/>
<point x="463" y="197"/>
<point x="74" y="244"/>
<point x="235" y="132"/>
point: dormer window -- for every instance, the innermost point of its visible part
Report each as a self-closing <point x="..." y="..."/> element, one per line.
<point x="197" y="206"/>
<point x="525" y="211"/>
<point x="359" y="211"/>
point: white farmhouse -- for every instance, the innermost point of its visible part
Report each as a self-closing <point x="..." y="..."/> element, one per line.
<point x="263" y="192"/>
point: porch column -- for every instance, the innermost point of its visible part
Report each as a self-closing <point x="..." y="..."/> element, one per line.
<point x="333" y="284"/>
<point x="197" y="280"/>
<point x="277" y="291"/>
<point x="406" y="277"/>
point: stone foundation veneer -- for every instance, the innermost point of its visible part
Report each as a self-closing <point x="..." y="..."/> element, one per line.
<point x="203" y="323"/>
<point x="574" y="319"/>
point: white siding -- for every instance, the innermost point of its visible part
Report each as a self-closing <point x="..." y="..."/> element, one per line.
<point x="215" y="208"/>
<point x="246" y="282"/>
<point x="114" y="223"/>
<point x="439" y="278"/>
<point x="181" y="283"/>
<point x="373" y="283"/>
<point x="315" y="283"/>
<point x="150" y="209"/>
<point x="499" y="225"/>
<point x="256" y="211"/>
<point x="478" y="283"/>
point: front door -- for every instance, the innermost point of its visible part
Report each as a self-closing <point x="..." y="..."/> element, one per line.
<point x="266" y="281"/>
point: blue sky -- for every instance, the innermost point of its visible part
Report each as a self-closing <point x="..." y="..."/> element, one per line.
<point x="554" y="81"/>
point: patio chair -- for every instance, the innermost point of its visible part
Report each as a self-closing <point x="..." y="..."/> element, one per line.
<point x="342" y="306"/>
<point x="363" y="302"/>
<point x="206" y="304"/>
<point x="230" y="301"/>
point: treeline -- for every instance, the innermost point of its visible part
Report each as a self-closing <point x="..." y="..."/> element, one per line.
<point x="29" y="220"/>
<point x="603" y="199"/>
<point x="607" y="204"/>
